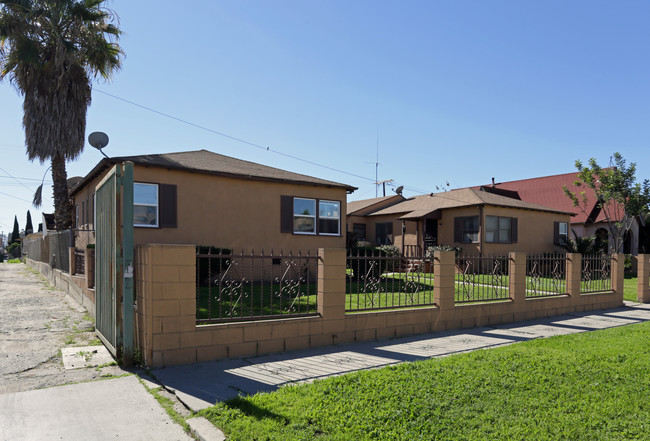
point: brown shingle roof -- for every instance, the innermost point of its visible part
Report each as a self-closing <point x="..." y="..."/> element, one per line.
<point x="354" y="206"/>
<point x="419" y="206"/>
<point x="204" y="161"/>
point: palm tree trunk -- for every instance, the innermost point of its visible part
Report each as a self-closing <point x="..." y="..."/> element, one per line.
<point x="62" y="206"/>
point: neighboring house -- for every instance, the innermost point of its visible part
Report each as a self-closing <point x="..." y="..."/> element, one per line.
<point x="548" y="191"/>
<point x="357" y="210"/>
<point x="477" y="221"/>
<point x="203" y="198"/>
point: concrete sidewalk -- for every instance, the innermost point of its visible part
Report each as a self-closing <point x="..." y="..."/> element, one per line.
<point x="98" y="410"/>
<point x="201" y="385"/>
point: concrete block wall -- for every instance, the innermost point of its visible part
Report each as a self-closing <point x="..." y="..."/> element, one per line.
<point x="166" y="309"/>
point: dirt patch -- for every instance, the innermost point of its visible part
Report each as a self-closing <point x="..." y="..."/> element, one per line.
<point x="36" y="322"/>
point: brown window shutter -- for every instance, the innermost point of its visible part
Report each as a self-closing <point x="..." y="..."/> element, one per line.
<point x="168" y="208"/>
<point x="556" y="233"/>
<point x="513" y="230"/>
<point x="458" y="229"/>
<point x="286" y="214"/>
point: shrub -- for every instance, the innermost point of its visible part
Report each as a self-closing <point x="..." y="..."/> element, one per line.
<point x="14" y="250"/>
<point x="371" y="267"/>
<point x="431" y="250"/>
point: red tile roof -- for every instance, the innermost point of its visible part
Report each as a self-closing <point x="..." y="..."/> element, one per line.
<point x="548" y="191"/>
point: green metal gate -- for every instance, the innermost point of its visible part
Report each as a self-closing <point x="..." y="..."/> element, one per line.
<point x="114" y="260"/>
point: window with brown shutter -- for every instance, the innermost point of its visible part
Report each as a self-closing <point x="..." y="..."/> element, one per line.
<point x="310" y="216"/>
<point x="466" y="229"/>
<point x="168" y="206"/>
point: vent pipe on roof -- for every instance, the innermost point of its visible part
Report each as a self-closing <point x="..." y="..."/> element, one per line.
<point x="493" y="185"/>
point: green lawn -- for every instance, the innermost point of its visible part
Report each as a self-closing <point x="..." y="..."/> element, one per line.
<point x="393" y="291"/>
<point x="589" y="386"/>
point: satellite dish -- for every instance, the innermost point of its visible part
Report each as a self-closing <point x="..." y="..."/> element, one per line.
<point x="399" y="190"/>
<point x="99" y="140"/>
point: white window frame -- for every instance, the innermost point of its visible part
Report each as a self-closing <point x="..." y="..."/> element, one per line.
<point x="338" y="218"/>
<point x="157" y="205"/>
<point x="315" y="216"/>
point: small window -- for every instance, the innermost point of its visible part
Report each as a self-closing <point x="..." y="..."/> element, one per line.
<point x="328" y="217"/>
<point x="561" y="233"/>
<point x="470" y="229"/>
<point x="145" y="205"/>
<point x="359" y="231"/>
<point x="384" y="233"/>
<point x="498" y="229"/>
<point x="304" y="216"/>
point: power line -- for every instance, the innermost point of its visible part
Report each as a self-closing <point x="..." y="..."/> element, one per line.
<point x="12" y="196"/>
<point x="23" y="179"/>
<point x="234" y="138"/>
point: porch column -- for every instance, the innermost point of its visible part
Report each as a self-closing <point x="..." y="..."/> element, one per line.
<point x="71" y="261"/>
<point x="444" y="272"/>
<point x="643" y="276"/>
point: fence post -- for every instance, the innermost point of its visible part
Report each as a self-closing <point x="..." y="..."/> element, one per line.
<point x="71" y="261"/>
<point x="643" y="277"/>
<point x="517" y="277"/>
<point x="573" y="274"/>
<point x="444" y="272"/>
<point x="331" y="283"/>
<point x="618" y="273"/>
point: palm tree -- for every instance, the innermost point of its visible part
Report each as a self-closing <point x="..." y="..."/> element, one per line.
<point x="51" y="50"/>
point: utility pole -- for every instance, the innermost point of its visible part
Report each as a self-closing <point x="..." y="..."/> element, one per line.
<point x="383" y="183"/>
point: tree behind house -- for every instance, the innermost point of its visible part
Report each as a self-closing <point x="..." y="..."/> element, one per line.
<point x="29" y="228"/>
<point x="618" y="196"/>
<point x="51" y="50"/>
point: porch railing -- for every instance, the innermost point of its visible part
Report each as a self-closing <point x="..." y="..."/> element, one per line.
<point x="255" y="286"/>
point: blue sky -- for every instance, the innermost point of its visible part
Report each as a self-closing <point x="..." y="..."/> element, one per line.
<point x="453" y="91"/>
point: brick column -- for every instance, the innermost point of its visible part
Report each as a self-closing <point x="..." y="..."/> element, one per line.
<point x="444" y="272"/>
<point x="166" y="296"/>
<point x="89" y="268"/>
<point x="71" y="262"/>
<point x="573" y="274"/>
<point x="618" y="272"/>
<point x="517" y="277"/>
<point x="643" y="278"/>
<point x="331" y="283"/>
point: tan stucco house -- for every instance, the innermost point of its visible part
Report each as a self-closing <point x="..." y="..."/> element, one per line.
<point x="477" y="221"/>
<point x="203" y="198"/>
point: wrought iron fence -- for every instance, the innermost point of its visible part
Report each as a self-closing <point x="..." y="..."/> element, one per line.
<point x="481" y="279"/>
<point x="250" y="286"/>
<point x="546" y="275"/>
<point x="596" y="273"/>
<point x="79" y="261"/>
<point x="378" y="281"/>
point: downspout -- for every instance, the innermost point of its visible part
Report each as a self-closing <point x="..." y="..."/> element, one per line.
<point x="403" y="234"/>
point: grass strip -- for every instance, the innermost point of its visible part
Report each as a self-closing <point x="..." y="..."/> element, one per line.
<point x="588" y="386"/>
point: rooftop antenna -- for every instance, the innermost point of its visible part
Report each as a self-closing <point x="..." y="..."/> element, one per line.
<point x="99" y="140"/>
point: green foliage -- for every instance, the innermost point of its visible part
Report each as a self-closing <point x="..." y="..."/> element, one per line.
<point x="587" y="386"/>
<point x="29" y="228"/>
<point x="15" y="234"/>
<point x="13" y="250"/>
<point x="582" y="245"/>
<point x="372" y="268"/>
<point x="618" y="196"/>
